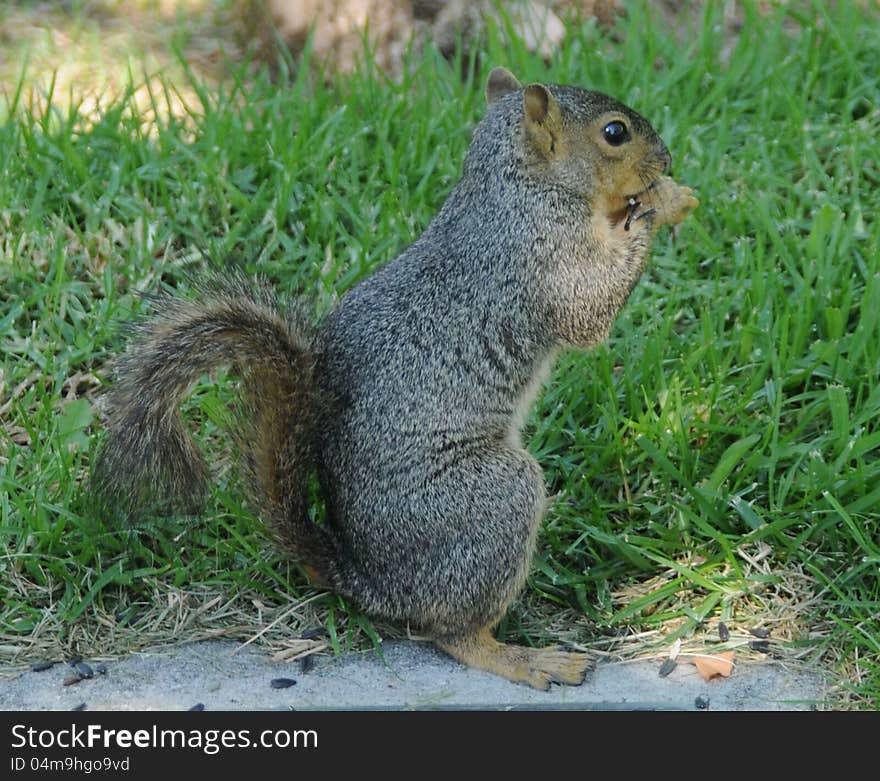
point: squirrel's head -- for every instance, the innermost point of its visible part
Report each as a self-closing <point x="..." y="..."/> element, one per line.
<point x="584" y="141"/>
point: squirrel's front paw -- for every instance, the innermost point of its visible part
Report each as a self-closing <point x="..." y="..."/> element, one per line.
<point x="668" y="202"/>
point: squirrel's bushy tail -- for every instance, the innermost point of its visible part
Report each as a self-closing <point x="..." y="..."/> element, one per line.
<point x="149" y="462"/>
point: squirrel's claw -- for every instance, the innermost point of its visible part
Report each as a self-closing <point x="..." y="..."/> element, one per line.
<point x="664" y="201"/>
<point x="630" y="212"/>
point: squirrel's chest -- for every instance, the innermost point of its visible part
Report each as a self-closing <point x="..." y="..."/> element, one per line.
<point x="527" y="397"/>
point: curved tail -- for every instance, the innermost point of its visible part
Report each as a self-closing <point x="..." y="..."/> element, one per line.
<point x="149" y="462"/>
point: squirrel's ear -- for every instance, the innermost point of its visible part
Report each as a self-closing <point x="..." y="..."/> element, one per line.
<point x="541" y="117"/>
<point x="501" y="81"/>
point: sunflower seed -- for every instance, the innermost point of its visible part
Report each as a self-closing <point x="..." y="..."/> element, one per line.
<point x="84" y="670"/>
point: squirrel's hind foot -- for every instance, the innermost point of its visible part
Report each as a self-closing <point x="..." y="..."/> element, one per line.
<point x="537" y="667"/>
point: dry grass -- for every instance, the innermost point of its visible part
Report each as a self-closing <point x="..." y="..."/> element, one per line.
<point x="170" y="617"/>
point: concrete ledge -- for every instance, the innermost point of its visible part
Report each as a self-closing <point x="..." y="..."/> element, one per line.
<point x="408" y="676"/>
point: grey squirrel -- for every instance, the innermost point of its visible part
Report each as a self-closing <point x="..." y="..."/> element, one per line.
<point x="407" y="402"/>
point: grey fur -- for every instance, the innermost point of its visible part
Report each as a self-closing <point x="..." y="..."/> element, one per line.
<point x="408" y="401"/>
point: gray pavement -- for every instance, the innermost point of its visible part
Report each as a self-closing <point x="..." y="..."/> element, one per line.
<point x="222" y="675"/>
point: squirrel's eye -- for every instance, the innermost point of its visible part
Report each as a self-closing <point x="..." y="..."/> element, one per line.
<point x="615" y="133"/>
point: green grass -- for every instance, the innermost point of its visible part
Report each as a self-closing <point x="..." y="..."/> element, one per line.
<point x="718" y="458"/>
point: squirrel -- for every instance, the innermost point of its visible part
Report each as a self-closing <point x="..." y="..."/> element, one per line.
<point x="406" y="402"/>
